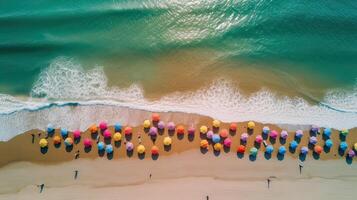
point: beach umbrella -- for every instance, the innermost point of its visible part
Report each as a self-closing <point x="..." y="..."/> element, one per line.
<point x="355" y="146"/>
<point x="223" y="133"/>
<point x="117" y="137"/>
<point x="87" y="142"/>
<point x="227" y="142"/>
<point x="244" y="137"/>
<point x="64" y="132"/>
<point x="217" y="147"/>
<point x="315" y="129"/>
<point x="259" y="139"/>
<point x="253" y="151"/>
<point x="269" y="149"/>
<point x="343" y="146"/>
<point x="191" y="130"/>
<point x="128" y="130"/>
<point x="167" y="141"/>
<point x="203" y="129"/>
<point x="161" y="125"/>
<point x="109" y="149"/>
<point x="154" y="150"/>
<point x="329" y="143"/>
<point x="101" y="146"/>
<point x="327" y="132"/>
<point x="171" y="126"/>
<point x="241" y="149"/>
<point x="344" y="132"/>
<point x="129" y="146"/>
<point x="93" y="129"/>
<point x="68" y="141"/>
<point x="155" y="117"/>
<point x="107" y="134"/>
<point x="147" y="124"/>
<point x="284" y="134"/>
<point x="204" y="144"/>
<point x="273" y="134"/>
<point x="304" y="150"/>
<point x="299" y="133"/>
<point x="216" y="138"/>
<point x="251" y="125"/>
<point x="43" y="143"/>
<point x="56" y="139"/>
<point x="351" y="153"/>
<point x="318" y="149"/>
<point x="216" y="123"/>
<point x="76" y="134"/>
<point x="180" y="130"/>
<point x="313" y="140"/>
<point x="266" y="130"/>
<point x="117" y="127"/>
<point x="210" y="134"/>
<point x="50" y="128"/>
<point x="153" y="131"/>
<point x="233" y="127"/>
<point x="282" y="150"/>
<point x="293" y="144"/>
<point x="103" y="125"/>
<point x="140" y="149"/>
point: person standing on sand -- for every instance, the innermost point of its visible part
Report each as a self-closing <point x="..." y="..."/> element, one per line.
<point x="75" y="174"/>
<point x="76" y="155"/>
<point x="98" y="139"/>
<point x="207" y="197"/>
<point x="42" y="186"/>
<point x="33" y="138"/>
<point x="150" y="176"/>
<point x="268" y="180"/>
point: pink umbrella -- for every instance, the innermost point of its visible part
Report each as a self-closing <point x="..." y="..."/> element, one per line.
<point x="171" y="126"/>
<point x="161" y="125"/>
<point x="103" y="125"/>
<point x="107" y="134"/>
<point x="76" y="134"/>
<point x="244" y="137"/>
<point x="227" y="142"/>
<point x="259" y="139"/>
<point x="273" y="134"/>
<point x="351" y="153"/>
<point x="209" y="134"/>
<point x="284" y="134"/>
<point x="87" y="143"/>
<point x="129" y="146"/>
<point x="191" y="130"/>
<point x="153" y="131"/>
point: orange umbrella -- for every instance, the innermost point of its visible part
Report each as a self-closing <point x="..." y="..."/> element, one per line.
<point x="93" y="128"/>
<point x="241" y="149"/>
<point x="155" y="117"/>
<point x="233" y="127"/>
<point x="56" y="139"/>
<point x="224" y="133"/>
<point x="154" y="150"/>
<point x="318" y="149"/>
<point x="128" y="130"/>
<point x="204" y="144"/>
<point x="180" y="129"/>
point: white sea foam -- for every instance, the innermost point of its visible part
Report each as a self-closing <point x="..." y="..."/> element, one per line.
<point x="69" y="96"/>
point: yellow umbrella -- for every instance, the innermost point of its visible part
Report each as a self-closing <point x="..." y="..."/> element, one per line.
<point x="251" y="125"/>
<point x="216" y="123"/>
<point x="140" y="149"/>
<point x="204" y="144"/>
<point x="147" y="124"/>
<point x="117" y="137"/>
<point x="217" y="146"/>
<point x="203" y="129"/>
<point x="167" y="141"/>
<point x="355" y="146"/>
<point x="43" y="143"/>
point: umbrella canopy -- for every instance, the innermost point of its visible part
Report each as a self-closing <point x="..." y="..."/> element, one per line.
<point x="315" y="129"/>
<point x="343" y="146"/>
<point x="153" y="131"/>
<point x="241" y="149"/>
<point x="204" y="144"/>
<point x="180" y="130"/>
<point x="101" y="146"/>
<point x="313" y="140"/>
<point x="217" y="146"/>
<point x="233" y="127"/>
<point x="117" y="137"/>
<point x="191" y="130"/>
<point x="329" y="143"/>
<point x="50" y="128"/>
<point x="273" y="134"/>
<point x="43" y="143"/>
<point x="87" y="142"/>
<point x="76" y="134"/>
<point x="269" y="149"/>
<point x="56" y="139"/>
<point x="103" y="125"/>
<point x="210" y="134"/>
<point x="318" y="149"/>
<point x="129" y="146"/>
<point x="64" y="132"/>
<point x="253" y="151"/>
<point x="223" y="133"/>
<point x="109" y="148"/>
<point x="351" y="153"/>
<point x="216" y="123"/>
<point x="146" y="124"/>
<point x="355" y="146"/>
<point x="140" y="149"/>
<point x="216" y="138"/>
<point x="251" y="125"/>
<point x="327" y="132"/>
<point x="93" y="128"/>
<point x="227" y="142"/>
<point x="68" y="141"/>
<point x="284" y="134"/>
<point x="171" y="126"/>
<point x="128" y="130"/>
<point x="155" y="117"/>
<point x="107" y="134"/>
<point x="117" y="127"/>
<point x="154" y="150"/>
<point x="266" y="130"/>
<point x="244" y="137"/>
<point x="203" y="129"/>
<point x="161" y="125"/>
<point x="259" y="139"/>
<point x="304" y="150"/>
<point x="293" y="144"/>
<point x="299" y="133"/>
<point x="282" y="150"/>
<point x="344" y="132"/>
<point x="167" y="141"/>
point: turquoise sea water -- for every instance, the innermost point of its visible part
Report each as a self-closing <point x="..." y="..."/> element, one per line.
<point x="50" y="51"/>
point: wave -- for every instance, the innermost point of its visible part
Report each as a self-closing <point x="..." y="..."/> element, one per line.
<point x="67" y="95"/>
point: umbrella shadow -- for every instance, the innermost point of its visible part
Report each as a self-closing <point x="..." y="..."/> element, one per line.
<point x="44" y="150"/>
<point x="240" y="155"/>
<point x="154" y="156"/>
<point x="282" y="140"/>
<point x="160" y="131"/>
<point x="101" y="153"/>
<point x="292" y="150"/>
<point x="87" y="149"/>
<point x="257" y="145"/>
<point x="316" y="156"/>
<point x="171" y="132"/>
<point x="141" y="156"/>
<point x="325" y="137"/>
<point x="77" y="140"/>
<point x="341" y="152"/>
<point x="146" y="130"/>
<point x="349" y="160"/>
<point x="272" y="140"/>
<point x="311" y="146"/>
<point x="216" y="153"/>
<point x="232" y="133"/>
<point x="280" y="156"/>
<point x="215" y="129"/>
<point x="50" y="134"/>
<point x="167" y="148"/>
<point x="265" y="136"/>
<point x="203" y="150"/>
<point x="297" y="139"/>
<point x="342" y="137"/>
<point x="226" y="149"/>
<point x="180" y="136"/>
<point x="203" y="136"/>
<point x="57" y="145"/>
<point x="191" y="137"/>
<point x="128" y="137"/>
<point x="153" y="138"/>
<point x="117" y="144"/>
<point x="302" y="157"/>
<point x="327" y="149"/>
<point x="312" y="133"/>
<point x="242" y="142"/>
<point x="252" y="158"/>
<point x="129" y="153"/>
<point x="94" y="135"/>
<point x="250" y="131"/>
<point x="69" y="148"/>
<point x="110" y="156"/>
<point x="267" y="156"/>
<point x="108" y="140"/>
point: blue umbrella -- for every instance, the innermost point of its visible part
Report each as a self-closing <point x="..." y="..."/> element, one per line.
<point x="64" y="132"/>
<point x="293" y="144"/>
<point x="117" y="127"/>
<point x="50" y="128"/>
<point x="282" y="150"/>
<point x="329" y="143"/>
<point x="304" y="150"/>
<point x="216" y="138"/>
<point x="343" y="146"/>
<point x="269" y="149"/>
<point x="109" y="148"/>
<point x="266" y="130"/>
<point x="327" y="132"/>
<point x="101" y="146"/>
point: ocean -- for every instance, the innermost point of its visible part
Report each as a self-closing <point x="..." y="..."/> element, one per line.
<point x="292" y="62"/>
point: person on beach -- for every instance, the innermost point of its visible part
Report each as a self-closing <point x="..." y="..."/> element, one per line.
<point x="33" y="138"/>
<point x="98" y="139"/>
<point x="42" y="186"/>
<point x="75" y="174"/>
<point x="76" y="155"/>
<point x="300" y="168"/>
<point x="268" y="180"/>
<point x="39" y="134"/>
<point x="207" y="197"/>
<point x="139" y="138"/>
<point x="150" y="176"/>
